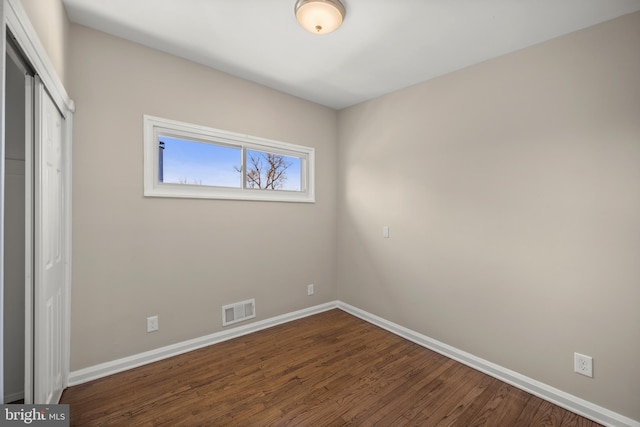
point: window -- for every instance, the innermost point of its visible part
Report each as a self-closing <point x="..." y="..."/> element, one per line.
<point x="185" y="160"/>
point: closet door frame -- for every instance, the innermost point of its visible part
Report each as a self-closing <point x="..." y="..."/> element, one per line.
<point x="18" y="26"/>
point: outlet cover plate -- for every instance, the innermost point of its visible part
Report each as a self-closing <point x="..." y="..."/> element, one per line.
<point x="310" y="289"/>
<point x="152" y="324"/>
<point x="583" y="365"/>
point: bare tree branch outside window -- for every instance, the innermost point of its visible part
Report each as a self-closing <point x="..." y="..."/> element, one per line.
<point x="266" y="170"/>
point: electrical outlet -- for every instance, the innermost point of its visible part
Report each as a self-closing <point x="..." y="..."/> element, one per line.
<point x="152" y="324"/>
<point x="583" y="364"/>
<point x="310" y="289"/>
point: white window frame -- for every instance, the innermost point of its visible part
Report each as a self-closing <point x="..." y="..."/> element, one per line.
<point x="154" y="127"/>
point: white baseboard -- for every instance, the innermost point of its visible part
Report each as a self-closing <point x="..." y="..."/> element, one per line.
<point x="544" y="391"/>
<point x="108" y="368"/>
<point x="558" y="397"/>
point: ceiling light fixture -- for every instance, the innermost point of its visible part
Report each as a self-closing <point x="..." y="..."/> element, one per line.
<point x="320" y="16"/>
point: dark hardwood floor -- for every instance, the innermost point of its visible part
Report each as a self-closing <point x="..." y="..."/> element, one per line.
<point x="330" y="369"/>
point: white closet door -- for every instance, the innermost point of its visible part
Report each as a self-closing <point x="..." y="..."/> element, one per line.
<point x="49" y="249"/>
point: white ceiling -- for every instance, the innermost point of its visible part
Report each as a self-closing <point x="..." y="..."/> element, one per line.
<point x="383" y="45"/>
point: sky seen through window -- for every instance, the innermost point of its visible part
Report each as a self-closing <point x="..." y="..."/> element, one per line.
<point x="199" y="163"/>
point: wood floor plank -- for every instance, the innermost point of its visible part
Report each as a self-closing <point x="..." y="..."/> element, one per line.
<point x="548" y="414"/>
<point x="489" y="415"/>
<point x="574" y="420"/>
<point x="451" y="394"/>
<point x="468" y="407"/>
<point x="331" y="369"/>
<point x="397" y="399"/>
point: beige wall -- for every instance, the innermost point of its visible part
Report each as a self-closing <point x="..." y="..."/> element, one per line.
<point x="512" y="193"/>
<point x="182" y="259"/>
<point x="49" y="18"/>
